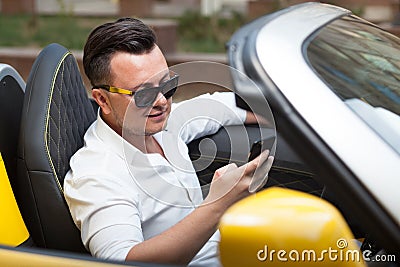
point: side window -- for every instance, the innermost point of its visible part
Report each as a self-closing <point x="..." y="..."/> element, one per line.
<point x="358" y="61"/>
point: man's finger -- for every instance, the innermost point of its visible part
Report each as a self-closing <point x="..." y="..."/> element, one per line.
<point x="221" y="171"/>
<point x="251" y="166"/>
<point x="269" y="163"/>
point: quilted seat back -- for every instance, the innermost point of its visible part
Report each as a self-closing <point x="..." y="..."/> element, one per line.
<point x="56" y="114"/>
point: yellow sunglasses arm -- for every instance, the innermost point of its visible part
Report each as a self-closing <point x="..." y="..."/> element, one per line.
<point x="120" y="90"/>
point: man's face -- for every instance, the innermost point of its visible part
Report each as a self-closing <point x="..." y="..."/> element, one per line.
<point x="137" y="72"/>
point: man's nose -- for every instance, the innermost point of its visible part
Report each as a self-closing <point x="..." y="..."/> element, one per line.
<point x="160" y="100"/>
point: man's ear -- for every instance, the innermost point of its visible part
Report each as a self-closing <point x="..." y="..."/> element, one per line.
<point x="102" y="99"/>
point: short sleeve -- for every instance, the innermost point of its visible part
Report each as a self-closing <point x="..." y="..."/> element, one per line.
<point x="205" y="114"/>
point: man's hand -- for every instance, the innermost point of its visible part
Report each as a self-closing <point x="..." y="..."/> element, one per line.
<point x="231" y="183"/>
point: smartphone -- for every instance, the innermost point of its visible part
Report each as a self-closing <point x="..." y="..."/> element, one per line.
<point x="260" y="176"/>
<point x="261" y="145"/>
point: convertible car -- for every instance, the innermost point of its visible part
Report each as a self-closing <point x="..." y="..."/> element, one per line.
<point x="331" y="81"/>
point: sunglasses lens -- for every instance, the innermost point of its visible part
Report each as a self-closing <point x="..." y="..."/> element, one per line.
<point x="169" y="87"/>
<point x="146" y="97"/>
<point x="170" y="93"/>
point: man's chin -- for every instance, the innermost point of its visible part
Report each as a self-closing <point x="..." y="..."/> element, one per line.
<point x="153" y="131"/>
<point x="146" y="127"/>
<point x="144" y="132"/>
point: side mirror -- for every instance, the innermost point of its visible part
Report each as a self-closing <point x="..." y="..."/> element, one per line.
<point x="283" y="227"/>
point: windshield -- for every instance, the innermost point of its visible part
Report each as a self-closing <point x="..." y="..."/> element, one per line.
<point x="361" y="64"/>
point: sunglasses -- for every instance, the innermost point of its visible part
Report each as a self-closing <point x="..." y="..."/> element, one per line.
<point x="145" y="97"/>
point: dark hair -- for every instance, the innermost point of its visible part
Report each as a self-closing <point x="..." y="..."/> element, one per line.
<point x="125" y="34"/>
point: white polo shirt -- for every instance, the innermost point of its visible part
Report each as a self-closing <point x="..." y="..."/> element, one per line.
<point x="119" y="196"/>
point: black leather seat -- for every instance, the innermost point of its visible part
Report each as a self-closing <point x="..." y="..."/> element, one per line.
<point x="12" y="88"/>
<point x="56" y="113"/>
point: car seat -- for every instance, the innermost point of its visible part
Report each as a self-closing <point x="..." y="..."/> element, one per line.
<point x="12" y="88"/>
<point x="13" y="231"/>
<point x="56" y="113"/>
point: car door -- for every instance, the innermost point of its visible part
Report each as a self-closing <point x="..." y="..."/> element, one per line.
<point x="358" y="165"/>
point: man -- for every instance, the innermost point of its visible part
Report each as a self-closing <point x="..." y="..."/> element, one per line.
<point x="130" y="200"/>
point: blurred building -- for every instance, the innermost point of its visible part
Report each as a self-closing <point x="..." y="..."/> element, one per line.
<point x="161" y="14"/>
<point x="373" y="10"/>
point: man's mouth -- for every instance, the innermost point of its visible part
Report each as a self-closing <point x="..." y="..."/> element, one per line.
<point x="155" y="114"/>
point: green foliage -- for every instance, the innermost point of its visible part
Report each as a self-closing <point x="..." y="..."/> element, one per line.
<point x="39" y="31"/>
<point x="198" y="33"/>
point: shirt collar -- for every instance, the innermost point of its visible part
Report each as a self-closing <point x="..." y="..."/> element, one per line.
<point x="123" y="148"/>
<point x="110" y="137"/>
